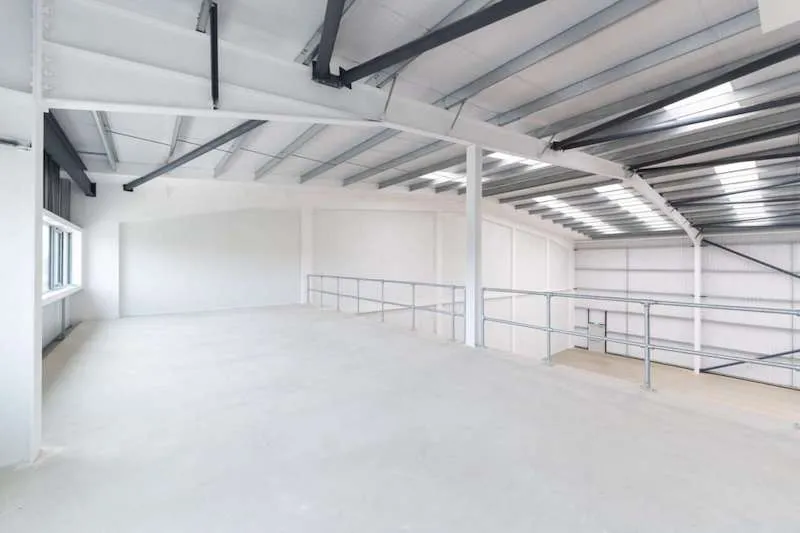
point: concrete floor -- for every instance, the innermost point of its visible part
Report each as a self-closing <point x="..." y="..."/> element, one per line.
<point x="294" y="420"/>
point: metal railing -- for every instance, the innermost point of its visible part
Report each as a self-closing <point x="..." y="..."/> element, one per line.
<point x="647" y="346"/>
<point x="413" y="306"/>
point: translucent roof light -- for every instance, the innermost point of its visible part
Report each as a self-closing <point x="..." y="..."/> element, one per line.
<point x="509" y="159"/>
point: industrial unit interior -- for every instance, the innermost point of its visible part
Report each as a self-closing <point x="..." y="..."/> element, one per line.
<point x="399" y="265"/>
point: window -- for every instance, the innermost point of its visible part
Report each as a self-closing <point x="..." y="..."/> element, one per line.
<point x="60" y="259"/>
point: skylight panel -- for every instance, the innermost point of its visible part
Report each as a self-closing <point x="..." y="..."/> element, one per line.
<point x="509" y="159"/>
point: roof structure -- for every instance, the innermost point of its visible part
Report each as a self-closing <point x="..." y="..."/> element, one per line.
<point x="692" y="97"/>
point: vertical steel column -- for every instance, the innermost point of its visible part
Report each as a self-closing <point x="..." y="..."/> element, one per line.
<point x="358" y="296"/>
<point x="698" y="288"/>
<point x="473" y="296"/>
<point x="549" y="358"/>
<point x="453" y="312"/>
<point x="647" y="350"/>
<point x="383" y="301"/>
<point x="308" y="289"/>
<point x="413" y="306"/>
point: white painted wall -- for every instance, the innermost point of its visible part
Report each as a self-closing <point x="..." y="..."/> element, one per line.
<point x="211" y="261"/>
<point x="663" y="270"/>
<point x="178" y="246"/>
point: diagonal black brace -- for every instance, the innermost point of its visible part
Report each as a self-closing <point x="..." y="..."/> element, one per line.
<point x="58" y="147"/>
<point x="760" y="358"/>
<point x="751" y="258"/>
<point x="226" y="137"/>
<point x="768" y="60"/>
<point x="431" y="40"/>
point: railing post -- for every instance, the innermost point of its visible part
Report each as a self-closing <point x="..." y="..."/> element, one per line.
<point x="338" y="293"/>
<point x="453" y="312"/>
<point x="548" y="302"/>
<point x="647" y="385"/>
<point x="358" y="296"/>
<point x="383" y="301"/>
<point x="413" y="306"/>
<point x="308" y="289"/>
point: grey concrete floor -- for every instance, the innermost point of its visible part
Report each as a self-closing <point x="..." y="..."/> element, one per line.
<point x="295" y="420"/>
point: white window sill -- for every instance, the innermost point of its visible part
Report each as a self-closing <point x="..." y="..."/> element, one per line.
<point x="59" y="294"/>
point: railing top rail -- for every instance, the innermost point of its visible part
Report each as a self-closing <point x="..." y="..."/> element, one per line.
<point x="384" y="280"/>
<point x="643" y="301"/>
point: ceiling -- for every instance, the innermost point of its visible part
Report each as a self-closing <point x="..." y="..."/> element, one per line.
<point x="552" y="70"/>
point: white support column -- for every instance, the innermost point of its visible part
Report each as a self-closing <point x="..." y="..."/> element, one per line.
<point x="306" y="251"/>
<point x="473" y="309"/>
<point x="698" y="288"/>
<point x="20" y="270"/>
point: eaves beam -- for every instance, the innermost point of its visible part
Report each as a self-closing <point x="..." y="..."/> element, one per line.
<point x="768" y="60"/>
<point x="225" y="138"/>
<point x="58" y="146"/>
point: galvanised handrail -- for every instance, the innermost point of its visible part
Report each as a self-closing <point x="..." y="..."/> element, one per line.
<point x="431" y="308"/>
<point x="647" y="345"/>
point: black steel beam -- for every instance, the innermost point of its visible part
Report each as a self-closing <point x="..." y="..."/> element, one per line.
<point x="226" y="137"/>
<point x="768" y="60"/>
<point x="681" y="123"/>
<point x="783" y="131"/>
<point x="58" y="147"/>
<point x="214" y="38"/>
<point x="691" y="201"/>
<point x="321" y="66"/>
<point x="751" y="258"/>
<point x="763" y="155"/>
<point x="451" y="32"/>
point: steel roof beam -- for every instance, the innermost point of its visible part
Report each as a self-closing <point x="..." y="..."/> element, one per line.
<point x="682" y="123"/>
<point x="218" y="141"/>
<point x="309" y="51"/>
<point x="774" y="58"/>
<point x="732" y="143"/>
<point x="379" y="80"/>
<point x="684" y="194"/>
<point x="58" y="146"/>
<point x="321" y="66"/>
<point x="527" y="59"/>
<point x="784" y="152"/>
<point x="689" y="201"/>
<point x="231" y="155"/>
<point x="788" y="81"/>
<point x="675" y="145"/>
<point x="485" y="17"/>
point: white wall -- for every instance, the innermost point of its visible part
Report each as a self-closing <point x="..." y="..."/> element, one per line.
<point x="204" y="262"/>
<point x="52" y="321"/>
<point x="177" y="246"/>
<point x="663" y="270"/>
